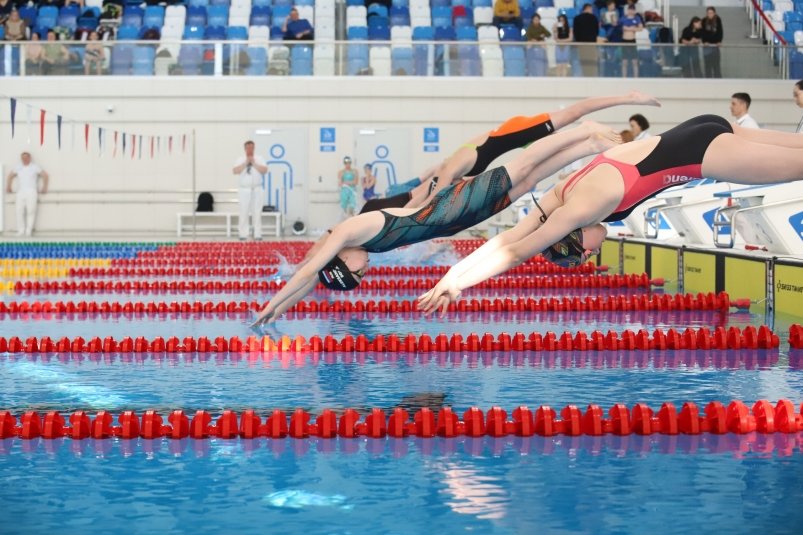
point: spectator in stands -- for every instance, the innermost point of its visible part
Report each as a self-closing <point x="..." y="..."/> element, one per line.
<point x="16" y="28"/>
<point x="630" y="23"/>
<point x="6" y="7"/>
<point x="368" y="183"/>
<point x="691" y="38"/>
<point x="347" y="180"/>
<point x="740" y="103"/>
<point x="797" y="93"/>
<point x="55" y="56"/>
<point x="586" y="30"/>
<point x="250" y="169"/>
<point x="610" y="16"/>
<point x="639" y="126"/>
<point x="507" y="12"/>
<point x="27" y="192"/>
<point x="627" y="136"/>
<point x="34" y="54"/>
<point x="563" y="52"/>
<point x="297" y="29"/>
<point x="712" y="39"/>
<point x="94" y="54"/>
<point x="536" y="31"/>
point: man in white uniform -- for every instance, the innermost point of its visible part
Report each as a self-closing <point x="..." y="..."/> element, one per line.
<point x="250" y="169"/>
<point x="740" y="103"/>
<point x="27" y="192"/>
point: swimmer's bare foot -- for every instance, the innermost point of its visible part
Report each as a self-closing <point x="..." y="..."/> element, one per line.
<point x="637" y="97"/>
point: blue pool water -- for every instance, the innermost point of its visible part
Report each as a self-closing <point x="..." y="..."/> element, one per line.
<point x="608" y="484"/>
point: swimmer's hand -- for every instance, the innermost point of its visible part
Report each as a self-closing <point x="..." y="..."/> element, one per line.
<point x="439" y="297"/>
<point x="264" y="317"/>
<point x="637" y="97"/>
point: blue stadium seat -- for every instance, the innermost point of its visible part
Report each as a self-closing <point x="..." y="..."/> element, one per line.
<point x="261" y="3"/>
<point x="28" y="13"/>
<point x="537" y="64"/>
<point x="47" y="17"/>
<point x="276" y="33"/>
<point x="190" y="58"/>
<point x="401" y="60"/>
<point x="440" y="3"/>
<point x="127" y="33"/>
<point x="132" y="19"/>
<point x="301" y="60"/>
<point x="122" y="59"/>
<point x="464" y="3"/>
<point x="421" y="53"/>
<point x="465" y="19"/>
<point x="468" y="55"/>
<point x="193" y="33"/>
<point x="399" y="16"/>
<point x="356" y="54"/>
<point x="154" y="16"/>
<point x="570" y="13"/>
<point x="513" y="56"/>
<point x="445" y="33"/>
<point x="198" y="3"/>
<point x="305" y="2"/>
<point x="196" y="16"/>
<point x="68" y="21"/>
<point x="355" y="3"/>
<point x="508" y="32"/>
<point x="544" y="3"/>
<point x="215" y="33"/>
<point x="258" y="58"/>
<point x="217" y="15"/>
<point x="482" y="3"/>
<point x="400" y="3"/>
<point x="283" y="3"/>
<point x="237" y="33"/>
<point x="144" y="56"/>
<point x="69" y="11"/>
<point x="527" y="15"/>
<point x="466" y="33"/>
<point x="226" y="3"/>
<point x="378" y="31"/>
<point x="87" y="23"/>
<point x="260" y="16"/>
<point x="442" y="16"/>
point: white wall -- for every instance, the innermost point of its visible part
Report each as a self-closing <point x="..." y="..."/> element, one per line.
<point x="103" y="194"/>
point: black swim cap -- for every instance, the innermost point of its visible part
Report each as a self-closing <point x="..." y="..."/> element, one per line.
<point x="336" y="276"/>
<point x="568" y="252"/>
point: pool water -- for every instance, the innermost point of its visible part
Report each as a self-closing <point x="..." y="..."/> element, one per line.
<point x="605" y="484"/>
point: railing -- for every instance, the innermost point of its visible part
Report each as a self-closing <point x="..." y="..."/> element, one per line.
<point x="378" y="58"/>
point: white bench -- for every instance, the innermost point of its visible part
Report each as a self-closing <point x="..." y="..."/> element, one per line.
<point x="213" y="222"/>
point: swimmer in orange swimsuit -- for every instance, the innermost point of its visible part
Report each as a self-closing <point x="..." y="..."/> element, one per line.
<point x="618" y="180"/>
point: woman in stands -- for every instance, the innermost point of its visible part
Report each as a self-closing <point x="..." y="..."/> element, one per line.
<point x="615" y="182"/>
<point x="341" y="260"/>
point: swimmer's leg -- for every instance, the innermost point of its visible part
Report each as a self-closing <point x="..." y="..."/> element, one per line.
<point x="733" y="158"/>
<point x="769" y="137"/>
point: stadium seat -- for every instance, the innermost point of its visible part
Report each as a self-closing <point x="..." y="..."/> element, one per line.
<point x="258" y="61"/>
<point x="356" y="54"/>
<point x="190" y="58"/>
<point x="379" y="32"/>
<point x="192" y="33"/>
<point x="237" y="33"/>
<point x="380" y="60"/>
<point x="143" y="60"/>
<point x="301" y="60"/>
<point x="215" y="33"/>
<point x="127" y="33"/>
<point x="217" y="16"/>
<point x="537" y="64"/>
<point x="196" y="16"/>
<point x="121" y="59"/>
<point x="261" y="16"/>
<point x="441" y="16"/>
<point x="513" y="56"/>
<point x="399" y="16"/>
<point x="323" y="59"/>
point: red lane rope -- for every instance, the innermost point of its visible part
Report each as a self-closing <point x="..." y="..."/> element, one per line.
<point x="384" y="271"/>
<point x="703" y="338"/>
<point x="662" y="302"/>
<point x="545" y="421"/>
<point x="499" y="283"/>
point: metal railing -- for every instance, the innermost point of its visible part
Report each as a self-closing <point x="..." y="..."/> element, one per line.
<point x="390" y="58"/>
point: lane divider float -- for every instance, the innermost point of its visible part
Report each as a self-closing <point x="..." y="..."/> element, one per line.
<point x="715" y="418"/>
<point x="702" y="338"/>
<point x="659" y="302"/>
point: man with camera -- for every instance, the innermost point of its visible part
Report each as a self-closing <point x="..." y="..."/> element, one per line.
<point x="250" y="169"/>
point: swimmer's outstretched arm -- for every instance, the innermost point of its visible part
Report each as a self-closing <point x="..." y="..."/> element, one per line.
<point x="314" y="249"/>
<point x="505" y="253"/>
<point x="306" y="278"/>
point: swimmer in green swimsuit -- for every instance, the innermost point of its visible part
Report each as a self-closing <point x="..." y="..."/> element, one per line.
<point x="341" y="261"/>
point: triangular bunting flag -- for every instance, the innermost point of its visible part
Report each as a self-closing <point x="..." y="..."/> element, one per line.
<point x="58" y="129"/>
<point x="13" y="115"/>
<point x="86" y="136"/>
<point x="42" y="127"/>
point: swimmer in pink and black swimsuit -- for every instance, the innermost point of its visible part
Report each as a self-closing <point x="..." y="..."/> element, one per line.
<point x="677" y="159"/>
